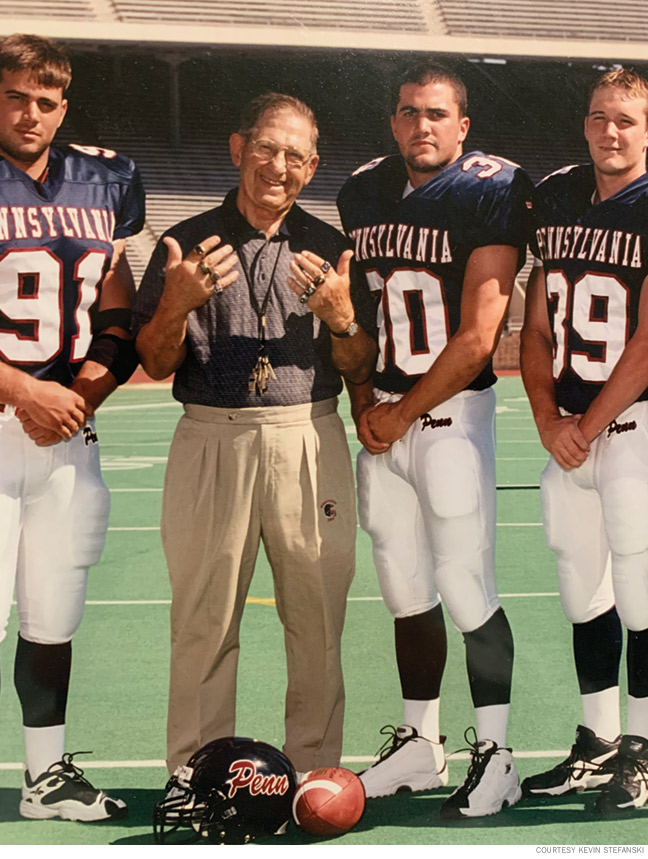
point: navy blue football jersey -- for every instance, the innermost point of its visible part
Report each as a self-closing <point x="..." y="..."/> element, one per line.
<point x="56" y="245"/>
<point x="414" y="250"/>
<point x="595" y="260"/>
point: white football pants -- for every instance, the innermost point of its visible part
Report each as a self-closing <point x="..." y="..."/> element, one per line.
<point x="54" y="511"/>
<point x="599" y="512"/>
<point x="428" y="504"/>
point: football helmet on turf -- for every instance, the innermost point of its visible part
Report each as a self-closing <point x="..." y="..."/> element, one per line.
<point x="232" y="791"/>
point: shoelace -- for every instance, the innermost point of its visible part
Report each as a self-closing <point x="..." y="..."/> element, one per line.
<point x="478" y="759"/>
<point x="66" y="767"/>
<point x="626" y="767"/>
<point x="577" y="755"/>
<point x="391" y="744"/>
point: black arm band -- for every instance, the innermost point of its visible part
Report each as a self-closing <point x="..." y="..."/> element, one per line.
<point x="114" y="353"/>
<point x="117" y="316"/>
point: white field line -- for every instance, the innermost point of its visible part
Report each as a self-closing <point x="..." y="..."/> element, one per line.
<point x="499" y="525"/>
<point x="136" y="490"/>
<point x="148" y="528"/>
<point x="128" y="431"/>
<point x="159" y="488"/>
<point x="270" y="600"/>
<point x="346" y="759"/>
<point x="140" y="408"/>
<point x="110" y="444"/>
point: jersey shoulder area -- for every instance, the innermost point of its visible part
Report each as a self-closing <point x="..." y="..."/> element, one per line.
<point x="376" y="186"/>
<point x="570" y="176"/>
<point x="379" y="173"/>
<point x="478" y="173"/>
<point x="96" y="163"/>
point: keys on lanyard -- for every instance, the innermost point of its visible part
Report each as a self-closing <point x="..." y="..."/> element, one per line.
<point x="262" y="371"/>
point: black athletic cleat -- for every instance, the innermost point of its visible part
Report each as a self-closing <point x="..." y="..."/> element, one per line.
<point x="583" y="769"/>
<point x="62" y="791"/>
<point x="627" y="788"/>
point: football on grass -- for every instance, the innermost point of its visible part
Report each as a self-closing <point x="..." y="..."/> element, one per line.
<point x="329" y="801"/>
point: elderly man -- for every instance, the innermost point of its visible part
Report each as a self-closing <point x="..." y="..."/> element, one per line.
<point x="250" y="305"/>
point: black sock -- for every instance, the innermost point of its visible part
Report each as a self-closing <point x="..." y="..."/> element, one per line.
<point x="421" y="650"/>
<point x="489" y="660"/>
<point x="637" y="663"/>
<point x="42" y="678"/>
<point x="597" y="652"/>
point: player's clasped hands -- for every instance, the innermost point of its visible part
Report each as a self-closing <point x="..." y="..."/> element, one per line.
<point x="205" y="271"/>
<point x="52" y="413"/>
<point x="386" y="423"/>
<point x="564" y="440"/>
<point x="366" y="437"/>
<point x="324" y="289"/>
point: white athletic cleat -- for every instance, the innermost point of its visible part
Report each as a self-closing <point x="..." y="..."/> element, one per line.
<point x="491" y="784"/>
<point x="407" y="762"/>
<point x="583" y="769"/>
<point x="63" y="792"/>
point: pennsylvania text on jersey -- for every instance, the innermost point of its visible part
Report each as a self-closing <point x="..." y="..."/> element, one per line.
<point x="33" y="222"/>
<point x="399" y="240"/>
<point x="614" y="247"/>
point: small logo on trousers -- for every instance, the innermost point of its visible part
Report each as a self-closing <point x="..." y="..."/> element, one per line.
<point x="329" y="510"/>
<point x="428" y="421"/>
<point x="615" y="427"/>
<point x="89" y="436"/>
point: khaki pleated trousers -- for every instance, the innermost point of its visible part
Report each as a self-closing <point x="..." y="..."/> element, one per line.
<point x="235" y="477"/>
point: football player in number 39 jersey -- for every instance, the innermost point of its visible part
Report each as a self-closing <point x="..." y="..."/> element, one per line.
<point x="585" y="368"/>
<point x="65" y="297"/>
<point x="441" y="237"/>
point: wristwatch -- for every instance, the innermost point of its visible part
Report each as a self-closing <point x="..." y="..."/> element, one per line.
<point x="350" y="331"/>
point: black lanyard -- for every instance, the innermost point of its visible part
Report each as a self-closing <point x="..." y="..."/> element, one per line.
<point x="262" y="370"/>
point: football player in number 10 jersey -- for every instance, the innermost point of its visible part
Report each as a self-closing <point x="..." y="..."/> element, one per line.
<point x="65" y="296"/>
<point x="441" y="236"/>
<point x="585" y="368"/>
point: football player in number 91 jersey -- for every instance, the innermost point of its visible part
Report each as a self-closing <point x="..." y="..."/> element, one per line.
<point x="65" y="297"/>
<point x="441" y="236"/>
<point x="585" y="368"/>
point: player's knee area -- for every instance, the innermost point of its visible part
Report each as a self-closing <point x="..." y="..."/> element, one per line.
<point x="625" y="509"/>
<point x="633" y="609"/>
<point x="400" y="612"/>
<point x="52" y="624"/>
<point x="451" y="478"/>
<point x="40" y="636"/>
<point x="580" y="604"/>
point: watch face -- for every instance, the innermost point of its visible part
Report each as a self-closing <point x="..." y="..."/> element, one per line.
<point x="352" y="329"/>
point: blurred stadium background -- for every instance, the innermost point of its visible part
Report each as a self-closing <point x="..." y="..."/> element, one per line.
<point x="163" y="81"/>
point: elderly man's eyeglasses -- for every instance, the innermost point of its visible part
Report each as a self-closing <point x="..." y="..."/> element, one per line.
<point x="266" y="150"/>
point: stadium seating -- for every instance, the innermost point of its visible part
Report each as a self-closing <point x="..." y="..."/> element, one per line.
<point x="552" y="19"/>
<point x="402" y="15"/>
<point x="70" y="9"/>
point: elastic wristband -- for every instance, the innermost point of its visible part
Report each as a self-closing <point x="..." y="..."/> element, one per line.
<point x="120" y="317"/>
<point x="114" y="353"/>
